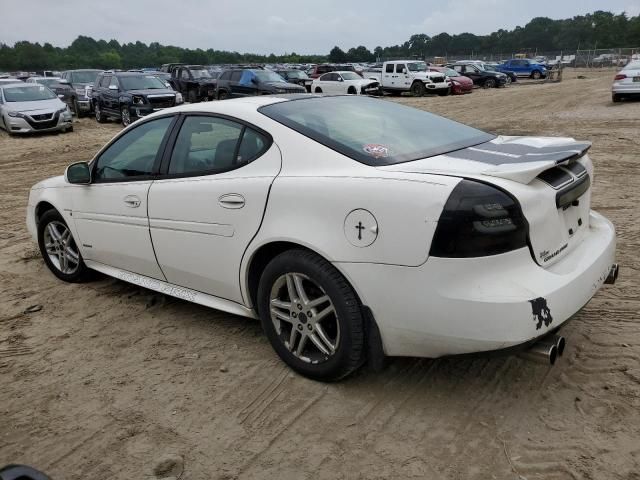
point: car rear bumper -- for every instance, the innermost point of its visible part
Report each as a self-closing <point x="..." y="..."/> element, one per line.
<point x="626" y="88"/>
<point x="452" y="306"/>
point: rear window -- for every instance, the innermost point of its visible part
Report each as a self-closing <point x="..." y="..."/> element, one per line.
<point x="373" y="131"/>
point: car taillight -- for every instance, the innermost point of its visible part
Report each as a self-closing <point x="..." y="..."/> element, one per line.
<point x="620" y="76"/>
<point x="479" y="220"/>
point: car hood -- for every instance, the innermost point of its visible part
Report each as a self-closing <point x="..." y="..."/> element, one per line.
<point x="39" y="106"/>
<point x="52" y="182"/>
<point x="520" y="159"/>
<point x="462" y="80"/>
<point x="283" y="85"/>
<point x="152" y="91"/>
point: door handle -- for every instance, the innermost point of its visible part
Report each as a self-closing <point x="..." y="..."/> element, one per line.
<point x="132" y="201"/>
<point x="231" y="200"/>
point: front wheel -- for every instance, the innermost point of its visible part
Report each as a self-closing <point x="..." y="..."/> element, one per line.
<point x="418" y="89"/>
<point x="100" y="117"/>
<point x="536" y="75"/>
<point x="509" y="80"/>
<point x="311" y="316"/>
<point x="59" y="250"/>
<point x="489" y="83"/>
<point x="125" y="116"/>
<point x="222" y="95"/>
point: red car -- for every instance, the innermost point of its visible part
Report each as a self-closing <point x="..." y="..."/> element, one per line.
<point x="459" y="84"/>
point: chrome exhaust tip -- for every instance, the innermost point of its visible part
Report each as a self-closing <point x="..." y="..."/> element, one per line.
<point x="556" y="340"/>
<point x="542" y="352"/>
<point x="613" y="274"/>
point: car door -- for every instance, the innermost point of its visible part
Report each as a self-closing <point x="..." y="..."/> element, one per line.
<point x="402" y="76"/>
<point x="110" y="214"/>
<point x="388" y="76"/>
<point x="209" y="206"/>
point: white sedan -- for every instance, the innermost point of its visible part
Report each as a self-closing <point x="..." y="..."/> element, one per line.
<point x="627" y="82"/>
<point x="351" y="226"/>
<point x="345" y="83"/>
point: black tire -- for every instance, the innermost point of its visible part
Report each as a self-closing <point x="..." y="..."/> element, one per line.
<point x="125" y="116"/>
<point x="100" y="117"/>
<point x="444" y="93"/>
<point x="192" y="96"/>
<point x="489" y="83"/>
<point x="509" y="80"/>
<point x="69" y="129"/>
<point x="349" y="352"/>
<point x="418" y="89"/>
<point x="318" y="90"/>
<point x="223" y="95"/>
<point x="536" y="75"/>
<point x="82" y="272"/>
<point x="616" y="98"/>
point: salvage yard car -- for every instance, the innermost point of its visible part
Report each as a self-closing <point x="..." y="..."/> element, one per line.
<point x="352" y="227"/>
<point x="626" y="82"/>
<point x="297" y="77"/>
<point x="523" y="67"/>
<point x="243" y="82"/>
<point x="26" y="108"/>
<point x="459" y="83"/>
<point x="81" y="81"/>
<point x="194" y="82"/>
<point x="480" y="77"/>
<point x="128" y="96"/>
<point x="345" y="83"/>
<point x="409" y="76"/>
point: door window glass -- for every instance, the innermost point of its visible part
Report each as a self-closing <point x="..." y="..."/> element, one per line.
<point x="133" y="154"/>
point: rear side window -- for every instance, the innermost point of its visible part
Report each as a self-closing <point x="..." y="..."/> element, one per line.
<point x="207" y="145"/>
<point x="389" y="68"/>
<point x="225" y="76"/>
<point x="105" y="81"/>
<point x="235" y="76"/>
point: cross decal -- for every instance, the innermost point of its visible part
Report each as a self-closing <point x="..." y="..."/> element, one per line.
<point x="360" y="227"/>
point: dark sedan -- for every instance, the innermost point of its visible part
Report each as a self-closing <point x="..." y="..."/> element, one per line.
<point x="60" y="87"/>
<point x="297" y="77"/>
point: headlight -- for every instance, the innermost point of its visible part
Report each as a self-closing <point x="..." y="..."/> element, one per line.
<point x="16" y="114"/>
<point x="179" y="98"/>
<point x="80" y="91"/>
<point x="137" y="100"/>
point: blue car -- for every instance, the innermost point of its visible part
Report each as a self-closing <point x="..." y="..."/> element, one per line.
<point x="524" y="68"/>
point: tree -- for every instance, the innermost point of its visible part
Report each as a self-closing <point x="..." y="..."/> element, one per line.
<point x="336" y="55"/>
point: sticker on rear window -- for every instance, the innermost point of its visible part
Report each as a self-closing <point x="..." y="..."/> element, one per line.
<point x="376" y="150"/>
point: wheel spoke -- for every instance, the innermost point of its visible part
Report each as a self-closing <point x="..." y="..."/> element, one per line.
<point x="323" y="313"/>
<point x="281" y="316"/>
<point x="292" y="338"/>
<point x="325" y="340"/>
<point x="277" y="303"/>
<point x="291" y="288"/>
<point x="318" y="301"/>
<point x="301" y="345"/>
<point x="63" y="262"/>
<point x="318" y="343"/>
<point x="71" y="255"/>
<point x="53" y="233"/>
<point x="302" y="295"/>
<point x="64" y="237"/>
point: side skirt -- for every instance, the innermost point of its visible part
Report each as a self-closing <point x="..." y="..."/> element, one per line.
<point x="173" y="290"/>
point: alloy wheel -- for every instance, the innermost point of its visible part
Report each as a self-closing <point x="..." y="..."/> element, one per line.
<point x="61" y="248"/>
<point x="304" y="318"/>
<point x="126" y="116"/>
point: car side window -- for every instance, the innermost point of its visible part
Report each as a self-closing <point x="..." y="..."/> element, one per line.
<point x="235" y="76"/>
<point x="459" y="68"/>
<point x="208" y="145"/>
<point x="184" y="74"/>
<point x="105" y="81"/>
<point x="400" y="68"/>
<point x="114" y="82"/>
<point x="225" y="76"/>
<point x="389" y="68"/>
<point x="133" y="154"/>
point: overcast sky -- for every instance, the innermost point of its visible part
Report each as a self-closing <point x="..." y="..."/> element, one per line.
<point x="278" y="26"/>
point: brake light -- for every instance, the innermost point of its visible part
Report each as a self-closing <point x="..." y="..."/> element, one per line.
<point x="479" y="220"/>
<point x="620" y="76"/>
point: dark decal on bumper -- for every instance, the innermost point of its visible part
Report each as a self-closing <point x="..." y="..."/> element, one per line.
<point x="541" y="312"/>
<point x="501" y="153"/>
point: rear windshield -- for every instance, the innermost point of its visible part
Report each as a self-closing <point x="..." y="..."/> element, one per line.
<point x="28" y="93"/>
<point x="373" y="131"/>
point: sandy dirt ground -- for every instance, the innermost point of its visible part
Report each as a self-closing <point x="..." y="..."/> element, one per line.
<point x="112" y="381"/>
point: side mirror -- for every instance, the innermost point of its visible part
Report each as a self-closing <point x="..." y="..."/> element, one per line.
<point x="113" y="87"/>
<point x="78" y="173"/>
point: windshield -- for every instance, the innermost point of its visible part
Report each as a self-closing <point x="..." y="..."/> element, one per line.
<point x="48" y="82"/>
<point x="351" y="76"/>
<point x="141" y="83"/>
<point x="201" y="73"/>
<point x="85" y="77"/>
<point x="295" y="74"/>
<point x="417" y="67"/>
<point x="372" y="131"/>
<point x="450" y="72"/>
<point x="28" y="93"/>
<point x="268" y="76"/>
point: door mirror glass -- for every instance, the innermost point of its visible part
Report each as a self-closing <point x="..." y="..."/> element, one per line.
<point x="78" y="173"/>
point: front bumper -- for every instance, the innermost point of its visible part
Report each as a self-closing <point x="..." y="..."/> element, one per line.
<point x="143" y="110"/>
<point x="452" y="306"/>
<point x="437" y="87"/>
<point x="458" y="89"/>
<point x="59" y="121"/>
<point x="84" y="104"/>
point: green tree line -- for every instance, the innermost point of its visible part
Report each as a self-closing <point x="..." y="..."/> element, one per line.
<point x="595" y="30"/>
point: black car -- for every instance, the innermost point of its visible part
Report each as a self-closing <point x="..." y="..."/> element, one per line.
<point x="252" y="81"/>
<point x="128" y="96"/>
<point x="511" y="76"/>
<point x="483" y="78"/>
<point x="296" y="76"/>
<point x="194" y="82"/>
<point x="79" y="80"/>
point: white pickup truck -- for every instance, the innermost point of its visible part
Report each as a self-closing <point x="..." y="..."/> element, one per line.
<point x="409" y="76"/>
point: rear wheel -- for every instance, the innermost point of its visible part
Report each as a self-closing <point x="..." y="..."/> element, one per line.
<point x="223" y="95"/>
<point x="311" y="316"/>
<point x="536" y="75"/>
<point x="418" y="89"/>
<point x="59" y="249"/>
